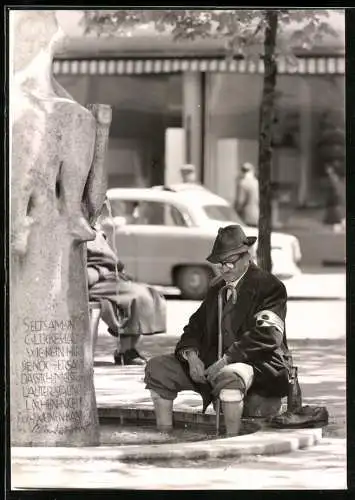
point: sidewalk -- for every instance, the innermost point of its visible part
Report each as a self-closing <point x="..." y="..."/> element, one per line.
<point x="317" y="285"/>
<point x="322" y="383"/>
<point x="320" y="246"/>
<point x="322" y="466"/>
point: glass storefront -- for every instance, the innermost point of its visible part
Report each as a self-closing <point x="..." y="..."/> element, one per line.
<point x="143" y="107"/>
<point x="309" y="132"/>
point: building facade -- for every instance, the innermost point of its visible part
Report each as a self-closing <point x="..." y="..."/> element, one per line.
<point x="183" y="102"/>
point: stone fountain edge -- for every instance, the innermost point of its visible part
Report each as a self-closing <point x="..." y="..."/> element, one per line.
<point x="262" y="442"/>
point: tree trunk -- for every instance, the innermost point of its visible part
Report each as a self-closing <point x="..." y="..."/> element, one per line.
<point x="267" y="112"/>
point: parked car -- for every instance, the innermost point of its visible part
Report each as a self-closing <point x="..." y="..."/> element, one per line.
<point x="164" y="236"/>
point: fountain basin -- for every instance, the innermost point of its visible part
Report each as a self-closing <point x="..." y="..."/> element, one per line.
<point x="113" y="433"/>
<point x="143" y="414"/>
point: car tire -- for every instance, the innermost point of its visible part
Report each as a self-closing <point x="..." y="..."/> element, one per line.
<point x="193" y="281"/>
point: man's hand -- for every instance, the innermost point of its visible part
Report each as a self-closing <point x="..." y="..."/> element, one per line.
<point x="196" y="367"/>
<point x="213" y="370"/>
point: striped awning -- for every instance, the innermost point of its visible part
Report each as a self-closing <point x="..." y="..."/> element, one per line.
<point x="303" y="65"/>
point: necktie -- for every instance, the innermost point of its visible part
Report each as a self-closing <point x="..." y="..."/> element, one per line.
<point x="229" y="294"/>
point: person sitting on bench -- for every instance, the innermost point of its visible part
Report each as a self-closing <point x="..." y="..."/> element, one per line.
<point x="130" y="309"/>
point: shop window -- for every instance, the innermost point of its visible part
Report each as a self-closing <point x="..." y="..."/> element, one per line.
<point x="309" y="130"/>
<point x="143" y="107"/>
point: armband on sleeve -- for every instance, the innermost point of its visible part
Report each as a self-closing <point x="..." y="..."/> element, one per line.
<point x="269" y="318"/>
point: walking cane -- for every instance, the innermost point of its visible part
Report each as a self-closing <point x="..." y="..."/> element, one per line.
<point x="220" y="345"/>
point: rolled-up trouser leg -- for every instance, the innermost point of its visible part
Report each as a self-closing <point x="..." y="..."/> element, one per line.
<point x="232" y="405"/>
<point x="230" y="385"/>
<point x="164" y="377"/>
<point x="163" y="412"/>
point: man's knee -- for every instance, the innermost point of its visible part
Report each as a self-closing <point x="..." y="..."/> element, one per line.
<point x="228" y="380"/>
<point x="231" y="380"/>
<point x="155" y="366"/>
<point x="243" y="371"/>
<point x="162" y="367"/>
<point x="161" y="376"/>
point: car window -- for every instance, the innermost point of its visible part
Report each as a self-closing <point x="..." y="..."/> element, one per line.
<point x="162" y="214"/>
<point x="222" y="213"/>
<point x="174" y="217"/>
<point x="152" y="213"/>
<point x="149" y="213"/>
<point x="129" y="209"/>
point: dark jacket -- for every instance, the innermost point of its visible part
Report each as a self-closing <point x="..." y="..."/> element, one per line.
<point x="265" y="348"/>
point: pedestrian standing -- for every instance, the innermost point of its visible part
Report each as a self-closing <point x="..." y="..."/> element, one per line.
<point x="247" y="197"/>
<point x="188" y="174"/>
<point x="335" y="202"/>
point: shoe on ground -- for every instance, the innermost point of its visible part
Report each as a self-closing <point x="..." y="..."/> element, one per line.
<point x="130" y="357"/>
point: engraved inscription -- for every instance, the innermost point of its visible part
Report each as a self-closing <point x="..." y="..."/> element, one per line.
<point x="51" y="377"/>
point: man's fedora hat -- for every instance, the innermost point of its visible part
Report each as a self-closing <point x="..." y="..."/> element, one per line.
<point x="230" y="242"/>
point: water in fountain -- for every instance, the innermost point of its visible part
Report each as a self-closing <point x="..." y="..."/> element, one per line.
<point x="114" y="434"/>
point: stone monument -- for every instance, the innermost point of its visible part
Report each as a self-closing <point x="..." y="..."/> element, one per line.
<point x="58" y="186"/>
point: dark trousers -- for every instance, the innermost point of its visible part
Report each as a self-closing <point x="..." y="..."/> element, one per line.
<point x="165" y="375"/>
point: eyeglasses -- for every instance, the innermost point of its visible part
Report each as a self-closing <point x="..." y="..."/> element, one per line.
<point x="231" y="264"/>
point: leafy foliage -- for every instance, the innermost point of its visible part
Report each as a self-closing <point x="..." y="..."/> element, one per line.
<point x="241" y="30"/>
<point x="254" y="34"/>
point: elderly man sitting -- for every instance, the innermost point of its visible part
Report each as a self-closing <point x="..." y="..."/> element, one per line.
<point x="255" y="353"/>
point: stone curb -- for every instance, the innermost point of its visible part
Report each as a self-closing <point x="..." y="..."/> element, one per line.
<point x="259" y="443"/>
